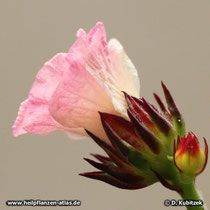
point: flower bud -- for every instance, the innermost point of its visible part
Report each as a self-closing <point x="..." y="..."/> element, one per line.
<point x="189" y="157"/>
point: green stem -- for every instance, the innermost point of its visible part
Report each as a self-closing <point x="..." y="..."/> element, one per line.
<point x="190" y="193"/>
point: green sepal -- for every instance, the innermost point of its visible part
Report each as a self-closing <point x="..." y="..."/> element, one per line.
<point x="179" y="125"/>
<point x="138" y="160"/>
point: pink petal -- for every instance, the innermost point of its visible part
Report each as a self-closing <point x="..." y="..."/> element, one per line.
<point x="93" y="83"/>
<point x="49" y="76"/>
<point x="124" y="74"/>
<point x="79" y="97"/>
<point x="77" y="100"/>
<point x="111" y="68"/>
<point x="33" y="115"/>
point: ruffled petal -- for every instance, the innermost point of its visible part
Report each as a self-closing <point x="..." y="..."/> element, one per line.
<point x="111" y="68"/>
<point x="33" y="115"/>
<point x="49" y="76"/>
<point x="77" y="100"/>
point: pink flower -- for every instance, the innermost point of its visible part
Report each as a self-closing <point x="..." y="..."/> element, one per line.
<point x="72" y="87"/>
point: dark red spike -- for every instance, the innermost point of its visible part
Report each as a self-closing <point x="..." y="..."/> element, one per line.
<point x="146" y="135"/>
<point x="102" y="158"/>
<point x="166" y="184"/>
<point x="136" y="107"/>
<point x="131" y="103"/>
<point x="138" y="101"/>
<point x="114" y="138"/>
<point x="160" y="103"/>
<point x="112" y="181"/>
<point x="161" y="122"/>
<point x="116" y="172"/>
<point x="170" y="101"/>
<point x="124" y="129"/>
<point x="118" y="159"/>
<point x="100" y="166"/>
<point x="100" y="142"/>
<point x="206" y="157"/>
